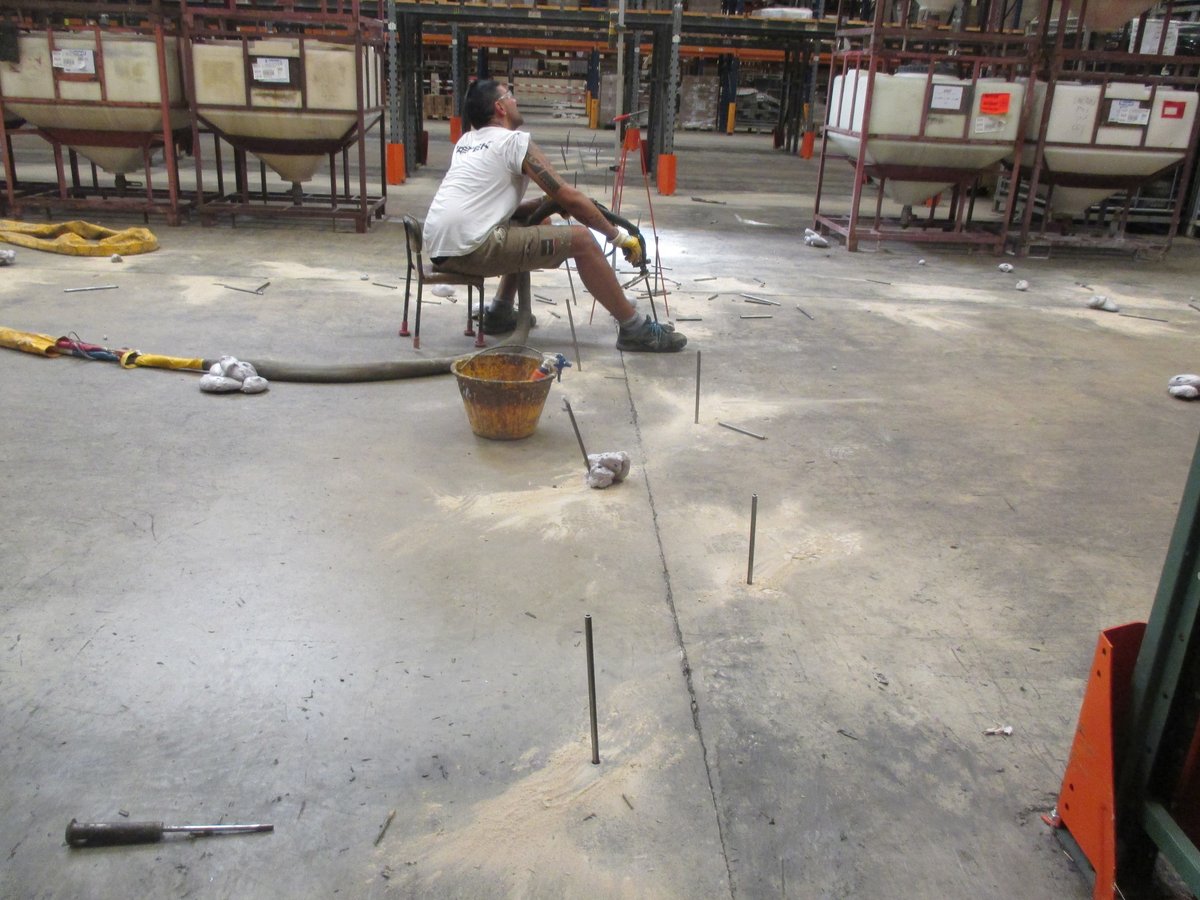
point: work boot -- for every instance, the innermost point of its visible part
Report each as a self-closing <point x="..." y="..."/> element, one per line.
<point x="649" y="336"/>
<point x="502" y="320"/>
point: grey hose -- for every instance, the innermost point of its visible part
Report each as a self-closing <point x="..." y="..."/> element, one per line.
<point x="354" y="373"/>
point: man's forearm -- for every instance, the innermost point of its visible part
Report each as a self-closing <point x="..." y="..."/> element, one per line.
<point x="587" y="213"/>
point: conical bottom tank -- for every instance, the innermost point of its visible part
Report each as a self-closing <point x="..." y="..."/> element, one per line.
<point x="289" y="108"/>
<point x="977" y="127"/>
<point x="70" y="90"/>
<point x="1126" y="116"/>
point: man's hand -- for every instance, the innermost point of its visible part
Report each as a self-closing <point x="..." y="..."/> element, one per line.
<point x="630" y="245"/>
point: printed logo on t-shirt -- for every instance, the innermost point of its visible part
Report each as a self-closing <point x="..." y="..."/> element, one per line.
<point x="472" y="148"/>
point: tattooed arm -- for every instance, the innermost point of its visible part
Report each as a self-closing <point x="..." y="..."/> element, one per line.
<point x="573" y="202"/>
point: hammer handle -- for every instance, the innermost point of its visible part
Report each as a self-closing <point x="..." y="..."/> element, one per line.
<point x="104" y="834"/>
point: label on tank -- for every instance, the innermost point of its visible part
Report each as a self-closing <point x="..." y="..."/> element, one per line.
<point x="1128" y="112"/>
<point x="994" y="104"/>
<point x="989" y="124"/>
<point x="81" y="62"/>
<point x="948" y="97"/>
<point x="1174" y="109"/>
<point x="271" y="70"/>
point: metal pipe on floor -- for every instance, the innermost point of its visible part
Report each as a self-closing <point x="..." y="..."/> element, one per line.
<point x="753" y="528"/>
<point x="591" y="676"/>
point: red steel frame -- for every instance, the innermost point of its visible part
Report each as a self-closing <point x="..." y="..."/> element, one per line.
<point x="73" y="194"/>
<point x="1105" y="68"/>
<point x="326" y="21"/>
<point x="883" y="48"/>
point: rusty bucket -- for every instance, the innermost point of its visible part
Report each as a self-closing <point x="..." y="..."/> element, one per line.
<point x="503" y="403"/>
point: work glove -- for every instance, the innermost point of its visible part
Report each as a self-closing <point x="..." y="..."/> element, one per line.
<point x="628" y="244"/>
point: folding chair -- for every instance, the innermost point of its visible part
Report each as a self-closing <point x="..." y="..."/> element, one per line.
<point x="427" y="274"/>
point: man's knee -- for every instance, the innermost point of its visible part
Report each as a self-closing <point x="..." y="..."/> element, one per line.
<point x="582" y="242"/>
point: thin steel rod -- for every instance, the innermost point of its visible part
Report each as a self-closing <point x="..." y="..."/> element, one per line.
<point x="697" y="422"/>
<point x="99" y="287"/>
<point x="591" y="675"/>
<point x="571" y="317"/>
<point x="1147" y="318"/>
<point x="761" y="437"/>
<point x="753" y="529"/>
<point x="587" y="466"/>
<point x="210" y="830"/>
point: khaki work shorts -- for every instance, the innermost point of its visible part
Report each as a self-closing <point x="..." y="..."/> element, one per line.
<point x="514" y="248"/>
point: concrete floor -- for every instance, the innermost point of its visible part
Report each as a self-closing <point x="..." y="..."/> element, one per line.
<point x="323" y="604"/>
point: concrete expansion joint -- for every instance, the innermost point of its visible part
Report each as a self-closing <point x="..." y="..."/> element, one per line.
<point x="684" y="664"/>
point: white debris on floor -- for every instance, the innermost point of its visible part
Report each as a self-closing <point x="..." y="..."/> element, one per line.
<point x="1099" y="301"/>
<point x="1185" y="387"/>
<point x="607" y="468"/>
<point x="230" y="375"/>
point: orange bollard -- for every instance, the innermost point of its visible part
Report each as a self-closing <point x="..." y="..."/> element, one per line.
<point x="731" y="118"/>
<point x="666" y="174"/>
<point x="806" y="145"/>
<point x="455" y="129"/>
<point x="395" y="164"/>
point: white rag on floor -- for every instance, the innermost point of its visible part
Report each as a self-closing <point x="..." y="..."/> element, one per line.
<point x="607" y="468"/>
<point x="229" y="374"/>
<point x="1185" y="387"/>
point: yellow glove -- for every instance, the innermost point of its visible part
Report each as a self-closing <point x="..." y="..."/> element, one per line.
<point x="629" y="245"/>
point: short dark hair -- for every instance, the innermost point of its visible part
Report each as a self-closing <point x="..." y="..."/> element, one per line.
<point x="479" y="106"/>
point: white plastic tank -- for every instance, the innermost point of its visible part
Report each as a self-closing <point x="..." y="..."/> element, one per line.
<point x="980" y="122"/>
<point x="292" y="97"/>
<point x="1100" y="15"/>
<point x="92" y="79"/>
<point x="1125" y="116"/>
<point x="1109" y="15"/>
<point x="940" y="8"/>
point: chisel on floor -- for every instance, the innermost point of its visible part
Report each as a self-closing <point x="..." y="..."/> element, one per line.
<point x="105" y="834"/>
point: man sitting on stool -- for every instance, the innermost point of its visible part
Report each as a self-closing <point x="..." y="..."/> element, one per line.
<point x="469" y="230"/>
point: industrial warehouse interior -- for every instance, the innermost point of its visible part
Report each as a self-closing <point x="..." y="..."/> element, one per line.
<point x="893" y="599"/>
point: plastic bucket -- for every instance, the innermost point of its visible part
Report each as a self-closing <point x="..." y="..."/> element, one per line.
<point x="501" y="400"/>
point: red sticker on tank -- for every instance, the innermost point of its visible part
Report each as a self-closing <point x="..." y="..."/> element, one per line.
<point x="1173" y="109"/>
<point x="994" y="104"/>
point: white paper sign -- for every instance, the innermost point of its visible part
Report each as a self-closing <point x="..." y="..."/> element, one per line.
<point x="1128" y="112"/>
<point x="1149" y="42"/>
<point x="947" y="97"/>
<point x="271" y="70"/>
<point x="989" y="124"/>
<point x="81" y="62"/>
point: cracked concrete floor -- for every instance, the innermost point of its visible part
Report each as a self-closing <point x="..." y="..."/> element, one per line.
<point x="323" y="604"/>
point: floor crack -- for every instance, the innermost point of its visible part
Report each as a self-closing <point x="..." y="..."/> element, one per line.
<point x="684" y="664"/>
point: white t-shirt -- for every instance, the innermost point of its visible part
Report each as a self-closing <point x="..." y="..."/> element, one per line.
<point x="481" y="190"/>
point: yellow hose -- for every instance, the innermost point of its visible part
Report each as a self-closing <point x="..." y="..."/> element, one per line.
<point x="77" y="238"/>
<point x="28" y="342"/>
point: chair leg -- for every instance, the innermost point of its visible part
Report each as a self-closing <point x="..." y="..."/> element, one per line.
<point x="407" y="288"/>
<point x="479" y="341"/>
<point x="470" y="332"/>
<point x="417" y="325"/>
